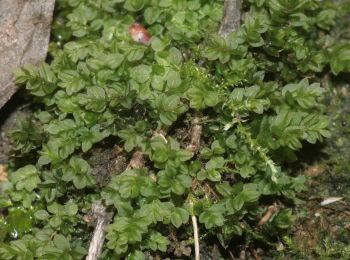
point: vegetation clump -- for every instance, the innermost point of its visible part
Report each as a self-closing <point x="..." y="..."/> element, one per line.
<point x="192" y="127"/>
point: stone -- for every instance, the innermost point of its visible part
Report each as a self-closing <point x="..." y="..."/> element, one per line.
<point x="25" y="27"/>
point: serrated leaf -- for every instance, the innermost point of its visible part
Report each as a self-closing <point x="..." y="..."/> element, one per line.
<point x="213" y="217"/>
<point x="41" y="214"/>
<point x="179" y="216"/>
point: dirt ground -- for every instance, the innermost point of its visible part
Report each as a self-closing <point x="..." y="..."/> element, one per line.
<point x="16" y="108"/>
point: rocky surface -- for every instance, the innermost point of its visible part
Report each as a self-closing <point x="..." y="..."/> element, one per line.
<point x="24" y="37"/>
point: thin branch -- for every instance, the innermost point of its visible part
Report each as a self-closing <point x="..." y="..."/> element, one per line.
<point x="195" y="237"/>
<point x="232" y="17"/>
<point x="196" y="133"/>
<point x="270" y="211"/>
<point x="102" y="220"/>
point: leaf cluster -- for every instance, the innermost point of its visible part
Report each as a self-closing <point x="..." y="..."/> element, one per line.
<point x="258" y="93"/>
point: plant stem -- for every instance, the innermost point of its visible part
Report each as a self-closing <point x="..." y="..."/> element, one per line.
<point x="257" y="148"/>
<point x="195" y="237"/>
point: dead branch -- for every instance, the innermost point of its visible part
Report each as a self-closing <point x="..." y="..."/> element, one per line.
<point x="102" y="220"/>
<point x="196" y="133"/>
<point x="194" y="146"/>
<point x="270" y="211"/>
<point x="195" y="237"/>
<point x="232" y="17"/>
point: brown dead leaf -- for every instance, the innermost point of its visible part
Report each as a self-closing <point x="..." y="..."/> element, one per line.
<point x="315" y="170"/>
<point x="3" y="173"/>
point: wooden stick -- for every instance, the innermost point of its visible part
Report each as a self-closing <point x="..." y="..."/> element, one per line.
<point x="196" y="237"/>
<point x="232" y="17"/>
<point x="96" y="243"/>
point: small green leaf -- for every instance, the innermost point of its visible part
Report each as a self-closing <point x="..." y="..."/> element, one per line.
<point x="284" y="219"/>
<point x="213" y="217"/>
<point x="340" y="58"/>
<point x="179" y="216"/>
<point x="136" y="255"/>
<point x="134" y="5"/>
<point x="26" y="178"/>
<point x="173" y="79"/>
<point x="61" y="242"/>
<point x="41" y="214"/>
<point x="141" y="73"/>
<point x="157" y="44"/>
<point x="155" y="211"/>
<point x="151" y="14"/>
<point x="71" y="208"/>
<point x="224" y="189"/>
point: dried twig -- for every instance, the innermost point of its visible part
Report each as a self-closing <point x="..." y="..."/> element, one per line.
<point x="195" y="134"/>
<point x="254" y="253"/>
<point x="102" y="220"/>
<point x="211" y="192"/>
<point x="195" y="237"/>
<point x="270" y="211"/>
<point x="194" y="148"/>
<point x="162" y="134"/>
<point x="136" y="161"/>
<point x="330" y="200"/>
<point x="242" y="255"/>
<point x="3" y="173"/>
<point x="232" y="17"/>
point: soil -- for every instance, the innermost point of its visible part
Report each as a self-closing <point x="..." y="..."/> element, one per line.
<point x="16" y="108"/>
<point x="323" y="232"/>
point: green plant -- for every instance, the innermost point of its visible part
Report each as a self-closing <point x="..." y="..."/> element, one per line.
<point x="255" y="95"/>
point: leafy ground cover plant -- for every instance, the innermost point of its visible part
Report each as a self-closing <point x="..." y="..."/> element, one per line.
<point x="321" y="232"/>
<point x="190" y="127"/>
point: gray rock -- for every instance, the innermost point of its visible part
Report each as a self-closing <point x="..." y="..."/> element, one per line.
<point x="24" y="37"/>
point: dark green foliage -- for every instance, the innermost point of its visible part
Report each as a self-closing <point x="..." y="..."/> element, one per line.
<point x="258" y="93"/>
